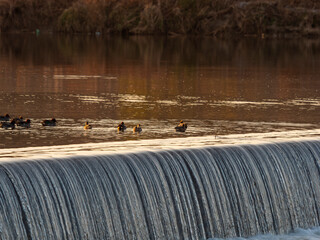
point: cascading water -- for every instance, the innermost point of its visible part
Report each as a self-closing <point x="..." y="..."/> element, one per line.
<point x="175" y="194"/>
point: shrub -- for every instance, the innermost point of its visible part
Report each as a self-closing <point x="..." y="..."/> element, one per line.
<point x="122" y="16"/>
<point x="82" y="17"/>
<point x="209" y="17"/>
<point x="151" y="20"/>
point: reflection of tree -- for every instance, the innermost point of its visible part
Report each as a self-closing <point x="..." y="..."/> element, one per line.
<point x="163" y="68"/>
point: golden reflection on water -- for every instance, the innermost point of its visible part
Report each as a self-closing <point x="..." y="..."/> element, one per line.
<point x="219" y="87"/>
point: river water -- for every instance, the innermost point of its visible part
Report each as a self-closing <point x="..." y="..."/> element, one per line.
<point x="245" y="91"/>
<point x="218" y="87"/>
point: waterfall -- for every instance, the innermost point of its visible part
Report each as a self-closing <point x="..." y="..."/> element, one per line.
<point x="209" y="192"/>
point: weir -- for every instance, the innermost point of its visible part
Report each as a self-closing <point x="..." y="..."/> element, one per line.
<point x="198" y="193"/>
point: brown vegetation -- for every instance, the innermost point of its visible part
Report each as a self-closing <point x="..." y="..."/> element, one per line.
<point x="205" y="17"/>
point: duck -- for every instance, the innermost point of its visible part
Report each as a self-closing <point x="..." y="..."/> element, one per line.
<point x="137" y="129"/>
<point x="7" y="125"/>
<point x="51" y="122"/>
<point x="19" y="120"/>
<point x="121" y="127"/>
<point x="25" y="124"/>
<point x="5" y="117"/>
<point x="87" y="126"/>
<point x="182" y="127"/>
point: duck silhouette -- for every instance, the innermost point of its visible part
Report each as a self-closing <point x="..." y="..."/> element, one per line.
<point x="137" y="129"/>
<point x="121" y="127"/>
<point x="25" y="124"/>
<point x="182" y="127"/>
<point x="19" y="120"/>
<point x="87" y="126"/>
<point x="52" y="122"/>
<point x="5" y="117"/>
<point x="7" y="125"/>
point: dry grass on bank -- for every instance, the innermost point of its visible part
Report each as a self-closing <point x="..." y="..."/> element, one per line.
<point x="206" y="17"/>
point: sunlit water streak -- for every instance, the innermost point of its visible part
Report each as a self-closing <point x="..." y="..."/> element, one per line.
<point x="75" y="77"/>
<point x="105" y="111"/>
<point x="153" y="144"/>
<point x="70" y="131"/>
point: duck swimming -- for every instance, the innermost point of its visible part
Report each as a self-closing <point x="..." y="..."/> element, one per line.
<point x="121" y="127"/>
<point x="87" y="126"/>
<point x="7" y="125"/>
<point x="182" y="127"/>
<point x="51" y="122"/>
<point x="25" y="124"/>
<point x="5" y="118"/>
<point x="19" y="120"/>
<point x="137" y="129"/>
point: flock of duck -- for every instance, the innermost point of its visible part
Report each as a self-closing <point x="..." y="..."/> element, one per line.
<point x="8" y="123"/>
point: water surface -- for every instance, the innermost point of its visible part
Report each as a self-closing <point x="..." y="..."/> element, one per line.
<point x="218" y="87"/>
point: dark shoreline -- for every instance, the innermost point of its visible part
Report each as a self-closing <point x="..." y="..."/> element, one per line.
<point x="222" y="19"/>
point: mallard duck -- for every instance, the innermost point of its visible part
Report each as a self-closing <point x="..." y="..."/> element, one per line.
<point x="87" y="126"/>
<point x="182" y="127"/>
<point x="121" y="127"/>
<point x="51" y="122"/>
<point x="137" y="128"/>
<point x="7" y="125"/>
<point x="5" y="118"/>
<point x="25" y="124"/>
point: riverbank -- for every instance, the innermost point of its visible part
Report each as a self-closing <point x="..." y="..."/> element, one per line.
<point x="278" y="18"/>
